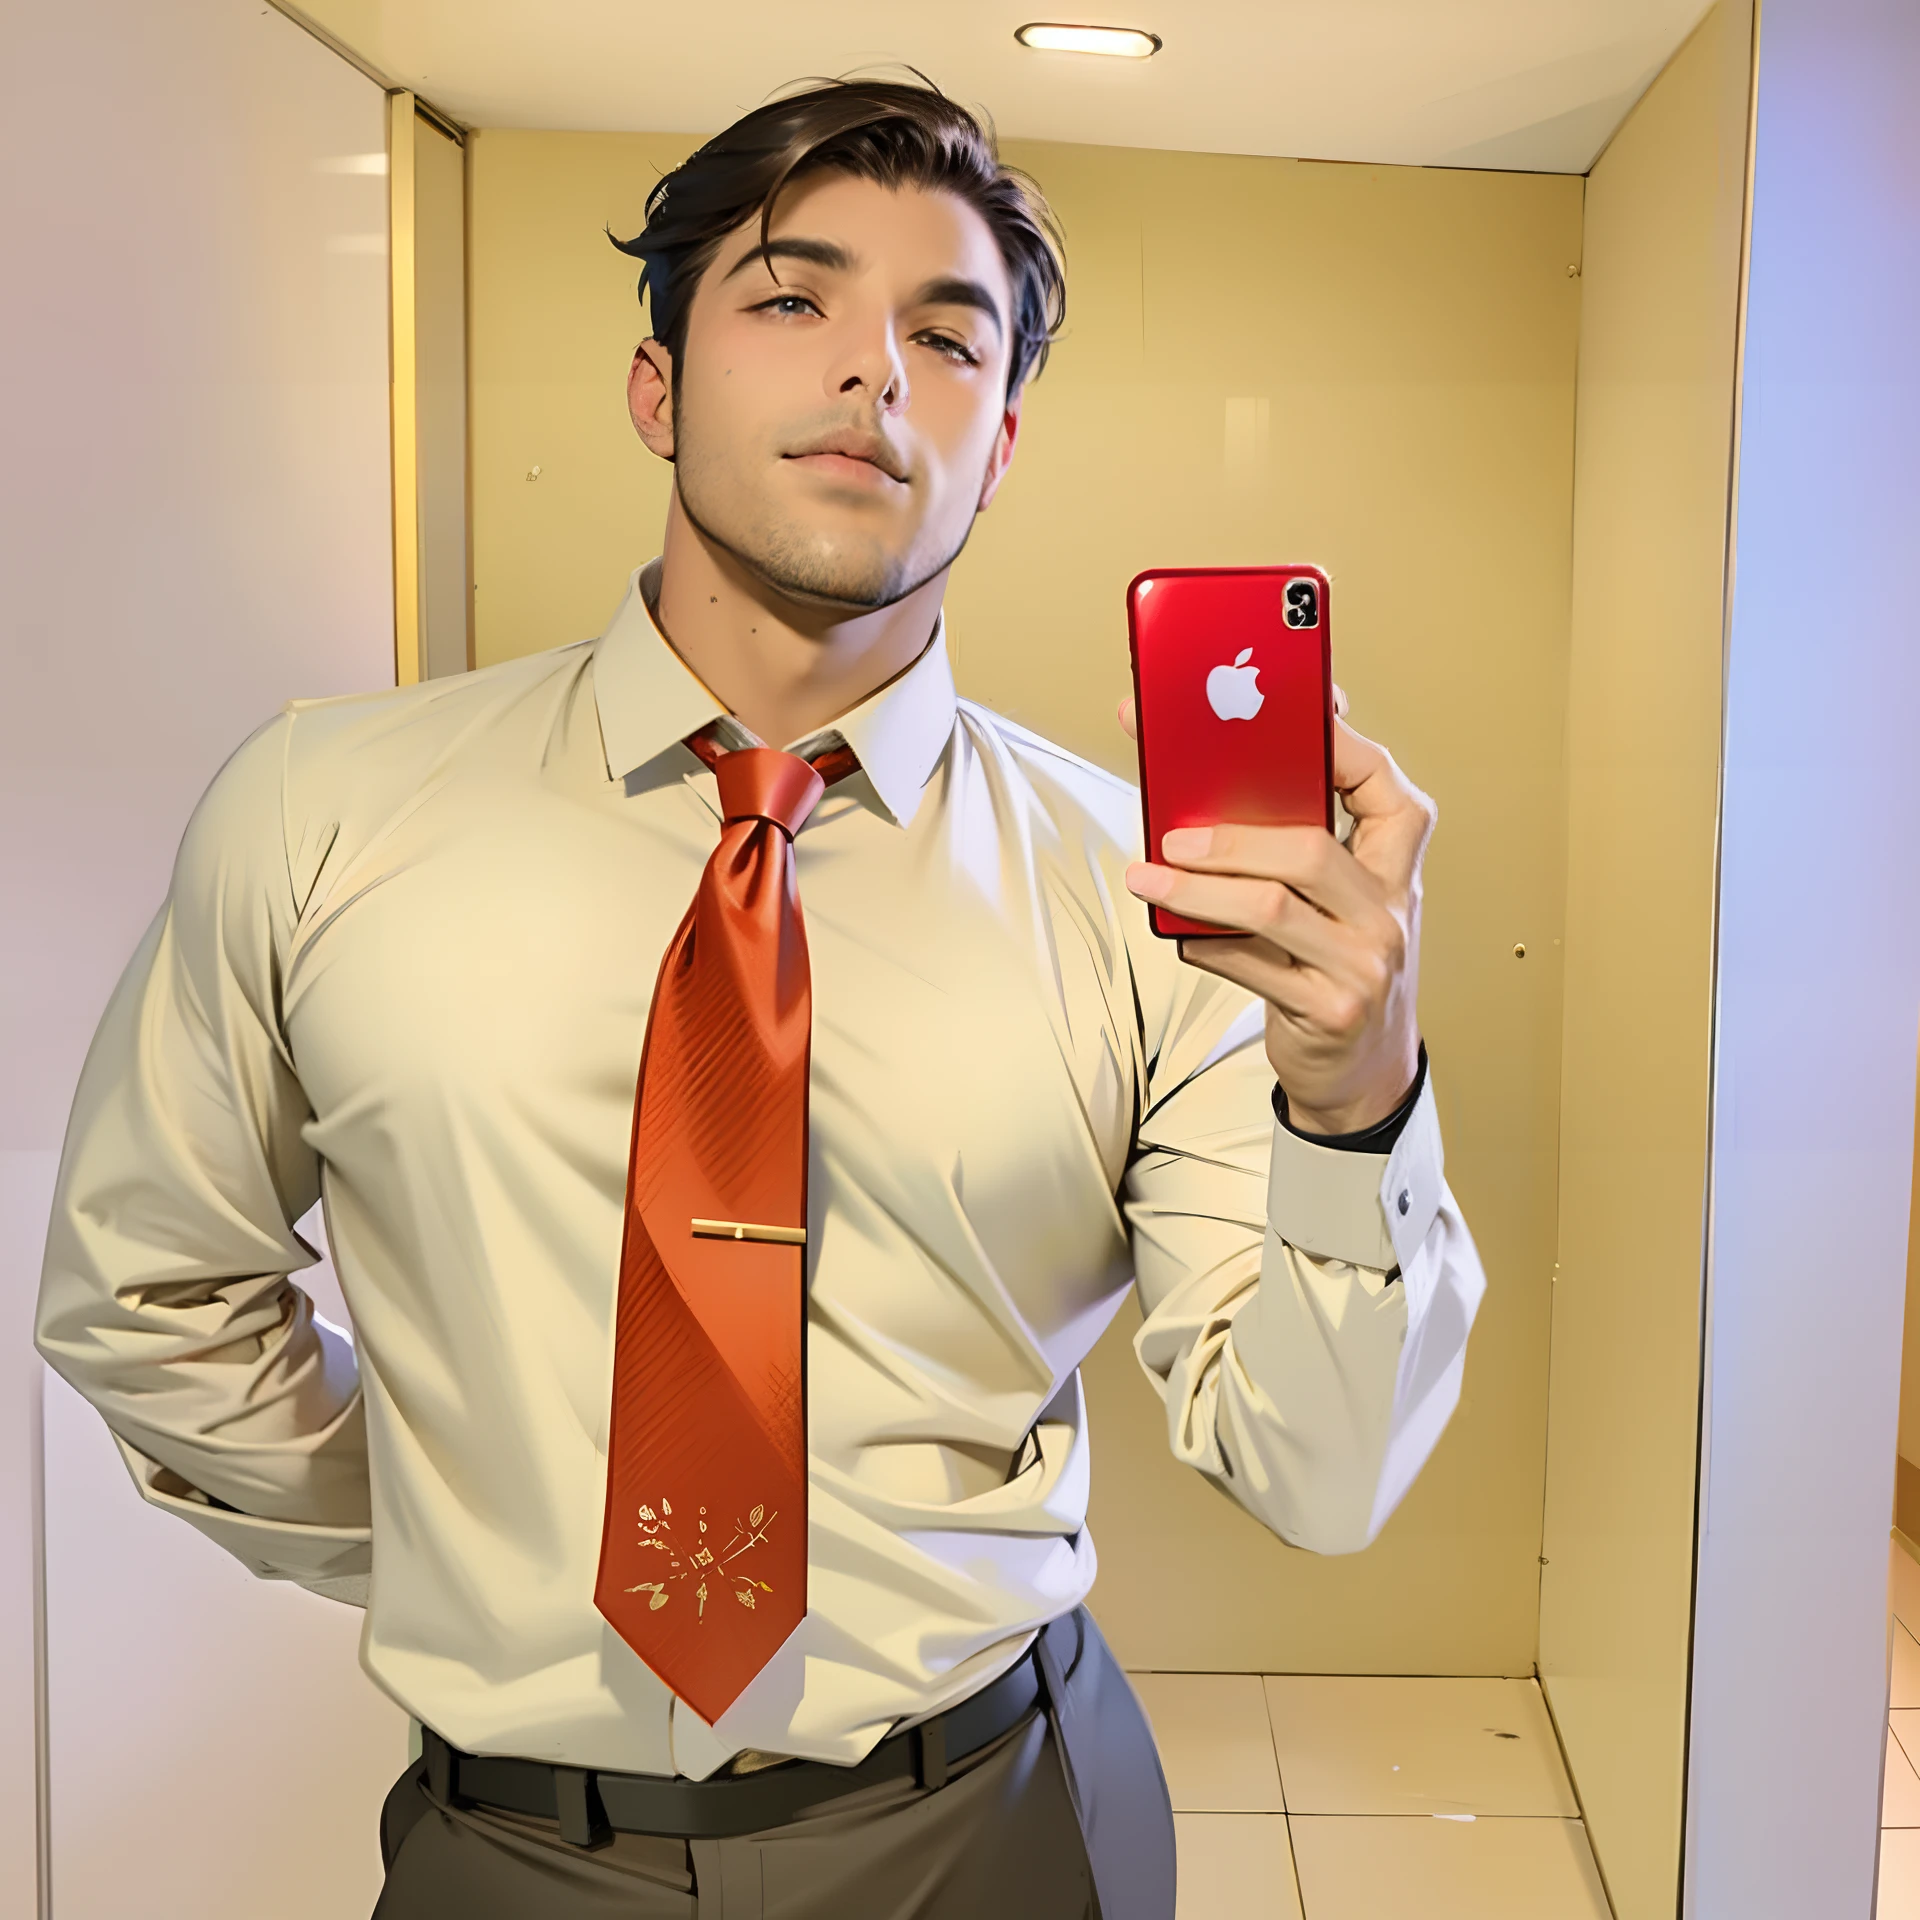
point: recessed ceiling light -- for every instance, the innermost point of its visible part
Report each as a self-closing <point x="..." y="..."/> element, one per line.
<point x="1049" y="36"/>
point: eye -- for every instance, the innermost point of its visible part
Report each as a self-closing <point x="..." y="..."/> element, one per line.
<point x="955" y="350"/>
<point x="787" y="304"/>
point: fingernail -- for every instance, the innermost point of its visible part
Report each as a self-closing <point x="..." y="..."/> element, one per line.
<point x="1186" y="843"/>
<point x="1148" y="883"/>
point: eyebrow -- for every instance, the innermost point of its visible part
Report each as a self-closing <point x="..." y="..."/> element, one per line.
<point x="947" y="290"/>
<point x="814" y="253"/>
<point x="956" y="290"/>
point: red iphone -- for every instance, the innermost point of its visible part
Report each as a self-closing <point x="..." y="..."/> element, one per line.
<point x="1233" y="703"/>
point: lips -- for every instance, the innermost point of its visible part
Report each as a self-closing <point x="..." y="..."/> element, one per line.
<point x="868" y="449"/>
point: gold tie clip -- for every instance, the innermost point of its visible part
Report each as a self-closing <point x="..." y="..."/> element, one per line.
<point x="746" y="1230"/>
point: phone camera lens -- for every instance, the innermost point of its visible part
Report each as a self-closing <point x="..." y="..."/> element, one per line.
<point x="1302" y="604"/>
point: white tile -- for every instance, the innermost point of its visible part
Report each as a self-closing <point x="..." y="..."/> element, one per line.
<point x="1899" y="1875"/>
<point x="1900" y="1797"/>
<point x="1425" y="1868"/>
<point x="1905" y="1676"/>
<point x="1235" y="1866"/>
<point x="1366" y="1745"/>
<point x="1214" y="1741"/>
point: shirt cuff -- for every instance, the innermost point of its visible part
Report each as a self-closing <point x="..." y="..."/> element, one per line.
<point x="1370" y="1209"/>
<point x="335" y="1562"/>
<point x="1378" y="1138"/>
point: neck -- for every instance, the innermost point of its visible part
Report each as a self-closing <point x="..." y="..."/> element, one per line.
<point x="782" y="667"/>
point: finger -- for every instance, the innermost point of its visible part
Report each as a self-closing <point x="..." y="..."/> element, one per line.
<point x="1307" y="859"/>
<point x="1250" y="963"/>
<point x="1339" y="701"/>
<point x="1302" y="996"/>
<point x="1126" y="719"/>
<point x="1265" y="908"/>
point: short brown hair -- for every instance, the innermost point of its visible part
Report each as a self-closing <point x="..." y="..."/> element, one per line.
<point x="892" y="132"/>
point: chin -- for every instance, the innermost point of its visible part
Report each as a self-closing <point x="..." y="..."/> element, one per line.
<point x="832" y="573"/>
<point x="826" y="568"/>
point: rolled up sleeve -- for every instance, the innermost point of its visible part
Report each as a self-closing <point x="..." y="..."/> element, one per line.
<point x="1307" y="1309"/>
<point x="165" y="1298"/>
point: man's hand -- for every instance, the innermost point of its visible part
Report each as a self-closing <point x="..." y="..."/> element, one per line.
<point x="1329" y="936"/>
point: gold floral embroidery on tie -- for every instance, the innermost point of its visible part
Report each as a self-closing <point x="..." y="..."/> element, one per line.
<point x="701" y="1562"/>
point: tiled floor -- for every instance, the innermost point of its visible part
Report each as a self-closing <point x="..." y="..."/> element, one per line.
<point x="1312" y="1797"/>
<point x="1900" y="1799"/>
<point x="1308" y="1797"/>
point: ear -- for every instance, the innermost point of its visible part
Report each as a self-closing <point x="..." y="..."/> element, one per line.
<point x="650" y="397"/>
<point x="1002" y="455"/>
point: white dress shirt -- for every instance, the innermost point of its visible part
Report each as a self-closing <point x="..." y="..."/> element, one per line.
<point x="405" y="965"/>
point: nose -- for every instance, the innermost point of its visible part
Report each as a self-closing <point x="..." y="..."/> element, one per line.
<point x="871" y="365"/>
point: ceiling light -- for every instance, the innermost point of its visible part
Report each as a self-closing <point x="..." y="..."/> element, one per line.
<point x="1127" y="43"/>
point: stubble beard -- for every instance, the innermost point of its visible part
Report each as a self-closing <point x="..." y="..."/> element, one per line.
<point x="816" y="571"/>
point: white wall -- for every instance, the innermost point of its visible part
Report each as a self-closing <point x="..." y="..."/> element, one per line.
<point x="194" y="526"/>
<point x="1819" y="982"/>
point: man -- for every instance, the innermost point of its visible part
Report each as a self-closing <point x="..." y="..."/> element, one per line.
<point x="713" y="1465"/>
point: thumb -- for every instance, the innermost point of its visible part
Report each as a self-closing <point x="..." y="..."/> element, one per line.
<point x="1393" y="819"/>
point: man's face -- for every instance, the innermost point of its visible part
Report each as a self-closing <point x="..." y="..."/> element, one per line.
<point x="837" y="428"/>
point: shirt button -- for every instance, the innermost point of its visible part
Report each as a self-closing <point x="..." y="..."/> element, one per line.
<point x="1406" y="1200"/>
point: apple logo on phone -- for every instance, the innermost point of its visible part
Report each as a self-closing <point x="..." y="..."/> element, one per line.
<point x="1234" y="692"/>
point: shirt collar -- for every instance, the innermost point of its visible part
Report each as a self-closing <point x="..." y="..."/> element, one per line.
<point x="650" y="700"/>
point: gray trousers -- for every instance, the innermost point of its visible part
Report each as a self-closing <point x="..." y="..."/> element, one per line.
<point x="1065" y="1817"/>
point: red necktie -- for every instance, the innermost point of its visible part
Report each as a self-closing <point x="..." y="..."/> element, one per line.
<point x="703" y="1555"/>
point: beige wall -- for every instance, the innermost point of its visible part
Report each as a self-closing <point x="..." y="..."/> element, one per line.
<point x="551" y="329"/>
<point x="1408" y="338"/>
<point x="1664" y="211"/>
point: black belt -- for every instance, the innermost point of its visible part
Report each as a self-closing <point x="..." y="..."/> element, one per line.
<point x="591" y="1806"/>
